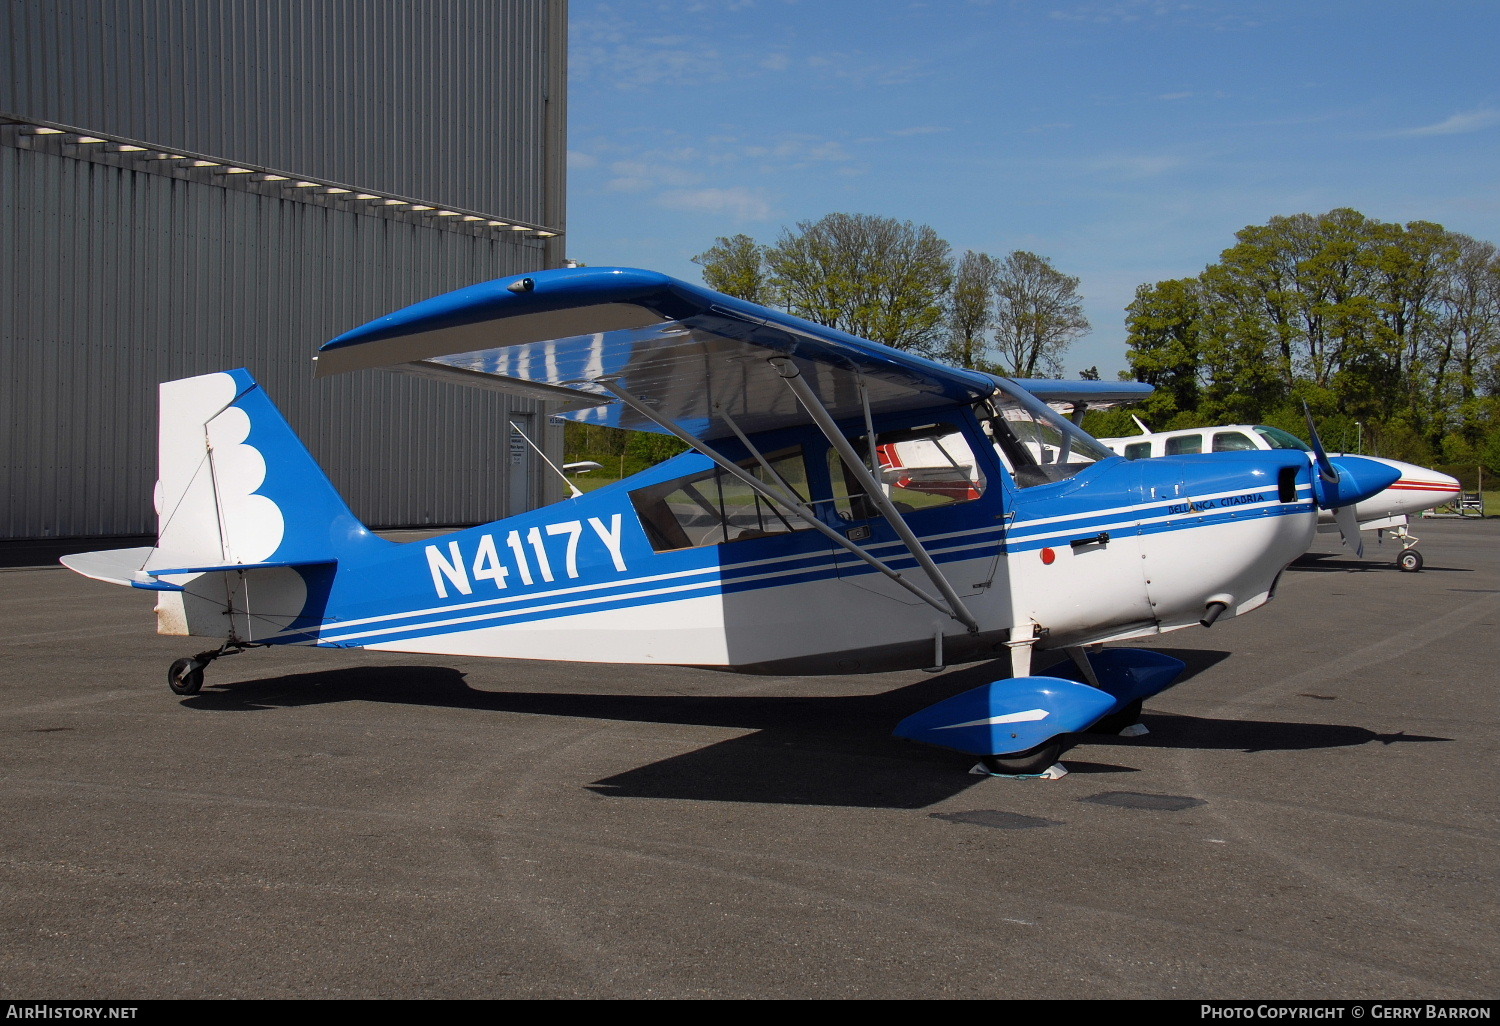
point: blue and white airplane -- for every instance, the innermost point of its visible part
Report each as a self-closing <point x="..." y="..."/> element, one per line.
<point x="778" y="544"/>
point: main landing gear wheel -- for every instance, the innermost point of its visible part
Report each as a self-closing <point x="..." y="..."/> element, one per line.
<point x="1409" y="561"/>
<point x="1033" y="760"/>
<point x="185" y="677"/>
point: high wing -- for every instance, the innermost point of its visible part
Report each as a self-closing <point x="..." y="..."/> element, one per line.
<point x="587" y="337"/>
<point x="1075" y="398"/>
<point x="1098" y="394"/>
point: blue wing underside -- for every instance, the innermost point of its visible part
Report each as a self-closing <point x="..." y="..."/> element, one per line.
<point x="695" y="357"/>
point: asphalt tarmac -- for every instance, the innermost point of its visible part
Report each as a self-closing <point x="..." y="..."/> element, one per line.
<point x="1314" y="815"/>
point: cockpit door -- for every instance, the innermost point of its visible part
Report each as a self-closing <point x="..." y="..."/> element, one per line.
<point x="930" y="472"/>
<point x="1075" y="517"/>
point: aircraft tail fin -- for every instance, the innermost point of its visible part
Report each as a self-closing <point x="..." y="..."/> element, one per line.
<point x="249" y="526"/>
<point x="236" y="485"/>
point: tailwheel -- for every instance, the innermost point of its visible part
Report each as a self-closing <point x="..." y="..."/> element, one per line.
<point x="185" y="677"/>
<point x="1410" y="561"/>
<point x="1033" y="760"/>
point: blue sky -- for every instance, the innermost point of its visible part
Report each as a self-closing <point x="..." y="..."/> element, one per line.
<point x="1126" y="140"/>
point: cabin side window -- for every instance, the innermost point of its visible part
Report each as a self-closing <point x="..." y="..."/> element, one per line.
<point x="1183" y="445"/>
<point x="1232" y="441"/>
<point x="920" y="468"/>
<point x="1138" y="451"/>
<point x="713" y="506"/>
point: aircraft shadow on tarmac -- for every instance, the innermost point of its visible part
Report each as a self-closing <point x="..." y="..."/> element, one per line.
<point x="801" y="750"/>
<point x="1345" y="563"/>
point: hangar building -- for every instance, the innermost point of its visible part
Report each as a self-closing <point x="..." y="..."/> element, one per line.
<point x="189" y="187"/>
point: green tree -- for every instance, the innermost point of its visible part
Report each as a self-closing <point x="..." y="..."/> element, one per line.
<point x="648" y="448"/>
<point x="1038" y="315"/>
<point x="1465" y="350"/>
<point x="875" y="277"/>
<point x="1469" y="326"/>
<point x="971" y="308"/>
<point x="736" y="267"/>
<point x="1163" y="345"/>
<point x="1410" y="264"/>
<point x="1386" y="325"/>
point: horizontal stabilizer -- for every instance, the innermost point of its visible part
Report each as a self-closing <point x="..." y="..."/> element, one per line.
<point x="214" y="568"/>
<point x="113" y="566"/>
<point x="142" y="567"/>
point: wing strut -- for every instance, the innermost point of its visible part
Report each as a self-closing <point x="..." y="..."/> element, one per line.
<point x="783" y="497"/>
<point x="873" y="489"/>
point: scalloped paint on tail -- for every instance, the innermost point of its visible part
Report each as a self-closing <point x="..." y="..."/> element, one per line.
<point x="248" y="525"/>
<point x="245" y="513"/>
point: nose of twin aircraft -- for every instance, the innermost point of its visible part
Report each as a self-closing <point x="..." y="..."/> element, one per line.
<point x="1358" y="479"/>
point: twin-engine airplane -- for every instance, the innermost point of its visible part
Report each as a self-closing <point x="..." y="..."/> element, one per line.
<point x="1390" y="509"/>
<point x="777" y="545"/>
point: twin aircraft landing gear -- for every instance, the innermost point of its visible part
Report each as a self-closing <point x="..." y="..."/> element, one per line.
<point x="1409" y="560"/>
<point x="185" y="676"/>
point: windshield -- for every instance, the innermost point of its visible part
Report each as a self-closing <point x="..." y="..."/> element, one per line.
<point x="1280" y="439"/>
<point x="1036" y="443"/>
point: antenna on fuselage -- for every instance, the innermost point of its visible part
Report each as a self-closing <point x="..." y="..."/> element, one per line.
<point x="1140" y="424"/>
<point x="574" y="493"/>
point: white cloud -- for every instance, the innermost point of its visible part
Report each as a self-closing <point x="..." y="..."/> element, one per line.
<point x="1136" y="165"/>
<point x="739" y="202"/>
<point x="1466" y="121"/>
<point x="702" y="6"/>
<point x="612" y="48"/>
<point x="919" y="130"/>
<point x="627" y="185"/>
<point x="722" y="160"/>
<point x="638" y="175"/>
<point x="620" y="50"/>
<point x="1112" y="12"/>
<point x="797" y="151"/>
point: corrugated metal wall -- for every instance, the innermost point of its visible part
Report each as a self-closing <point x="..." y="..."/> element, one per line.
<point x="120" y="279"/>
<point x="439" y="99"/>
<point x="114" y="278"/>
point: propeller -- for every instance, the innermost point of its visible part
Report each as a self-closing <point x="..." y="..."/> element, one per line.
<point x="1328" y="476"/>
<point x="1349" y="528"/>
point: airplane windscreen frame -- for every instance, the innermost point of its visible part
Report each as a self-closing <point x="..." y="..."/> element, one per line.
<point x="1037" y="444"/>
<point x="1279" y="439"/>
